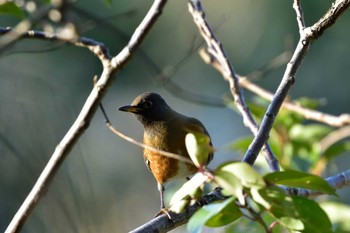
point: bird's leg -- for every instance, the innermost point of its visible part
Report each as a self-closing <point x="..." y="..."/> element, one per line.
<point x="163" y="210"/>
<point x="161" y="192"/>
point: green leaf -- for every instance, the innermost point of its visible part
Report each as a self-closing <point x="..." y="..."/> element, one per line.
<point x="300" y="180"/>
<point x="214" y="215"/>
<point x="309" y="103"/>
<point x="12" y="9"/>
<point x="245" y="173"/>
<point x="279" y="204"/>
<point x="108" y="2"/>
<point x="198" y="147"/>
<point x="227" y="212"/>
<point x="241" y="145"/>
<point x="339" y="215"/>
<point x="314" y="218"/>
<point x="231" y="184"/>
<point x="309" y="133"/>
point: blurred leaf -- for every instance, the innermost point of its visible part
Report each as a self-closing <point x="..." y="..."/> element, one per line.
<point x="258" y="107"/>
<point x="214" y="215"/>
<point x="241" y="145"/>
<point x="300" y="179"/>
<point x="337" y="149"/>
<point x="314" y="218"/>
<point x="12" y="9"/>
<point x="309" y="133"/>
<point x="339" y="214"/>
<point x="309" y="103"/>
<point x="108" y="2"/>
<point x="244" y="172"/>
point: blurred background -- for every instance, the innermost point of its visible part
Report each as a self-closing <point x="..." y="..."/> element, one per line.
<point x="103" y="185"/>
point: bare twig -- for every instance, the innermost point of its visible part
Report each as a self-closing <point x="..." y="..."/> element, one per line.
<point x="86" y="114"/>
<point x="334" y="137"/>
<point x="335" y="121"/>
<point x="307" y="36"/>
<point x="300" y="15"/>
<point x="216" y="56"/>
<point x="325" y="143"/>
<point x="154" y="70"/>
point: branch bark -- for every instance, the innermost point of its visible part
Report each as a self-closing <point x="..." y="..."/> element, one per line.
<point x="110" y="67"/>
<point x="163" y="224"/>
<point x="215" y="55"/>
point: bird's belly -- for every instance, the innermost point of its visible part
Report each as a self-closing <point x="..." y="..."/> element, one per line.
<point x="165" y="169"/>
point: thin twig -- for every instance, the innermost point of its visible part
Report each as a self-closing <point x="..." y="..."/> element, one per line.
<point x="142" y="145"/>
<point x="216" y="56"/>
<point x="327" y="142"/>
<point x="300" y="15"/>
<point x="310" y="114"/>
<point x="85" y="115"/>
<point x="154" y="70"/>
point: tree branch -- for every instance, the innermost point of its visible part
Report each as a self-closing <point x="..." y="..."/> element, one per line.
<point x="163" y="224"/>
<point x="216" y="56"/>
<point x="110" y="67"/>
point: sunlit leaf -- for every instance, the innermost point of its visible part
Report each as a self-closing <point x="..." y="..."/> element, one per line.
<point x="292" y="223"/>
<point x="198" y="147"/>
<point x="231" y="184"/>
<point x="247" y="175"/>
<point x="300" y="180"/>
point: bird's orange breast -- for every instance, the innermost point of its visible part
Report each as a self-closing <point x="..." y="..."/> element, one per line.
<point x="162" y="167"/>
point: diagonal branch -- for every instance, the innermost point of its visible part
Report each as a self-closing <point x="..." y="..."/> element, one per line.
<point x="307" y="36"/>
<point x="216" y="56"/>
<point x="110" y="67"/>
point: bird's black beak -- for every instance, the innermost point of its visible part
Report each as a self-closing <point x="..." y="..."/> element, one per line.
<point x="130" y="108"/>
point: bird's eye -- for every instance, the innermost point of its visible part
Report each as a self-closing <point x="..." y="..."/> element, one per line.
<point x="148" y="104"/>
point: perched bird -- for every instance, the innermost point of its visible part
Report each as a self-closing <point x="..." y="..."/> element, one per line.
<point x="164" y="129"/>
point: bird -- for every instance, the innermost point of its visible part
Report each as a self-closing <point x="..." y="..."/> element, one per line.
<point x="165" y="129"/>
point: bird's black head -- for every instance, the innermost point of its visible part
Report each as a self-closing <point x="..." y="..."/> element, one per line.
<point x="149" y="107"/>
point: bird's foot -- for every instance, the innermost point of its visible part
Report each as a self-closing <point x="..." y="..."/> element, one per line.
<point x="163" y="211"/>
